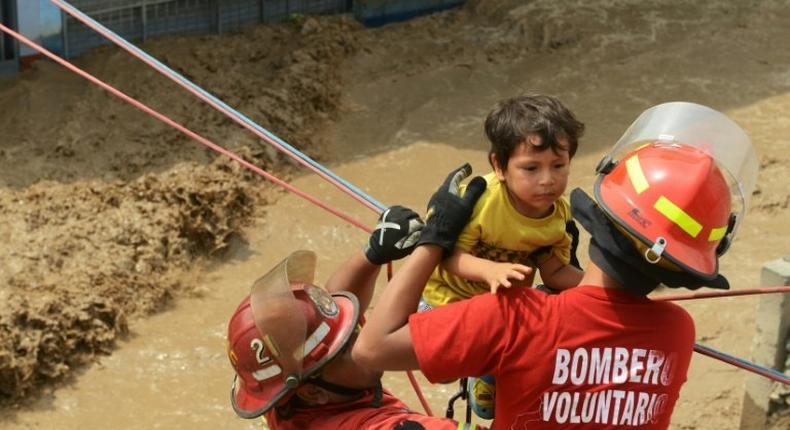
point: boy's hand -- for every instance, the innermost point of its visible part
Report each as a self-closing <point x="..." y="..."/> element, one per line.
<point x="503" y="273"/>
<point x="448" y="212"/>
<point x="395" y="235"/>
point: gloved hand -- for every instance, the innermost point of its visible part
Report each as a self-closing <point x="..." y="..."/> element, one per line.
<point x="395" y="235"/>
<point x="570" y="228"/>
<point x="448" y="212"/>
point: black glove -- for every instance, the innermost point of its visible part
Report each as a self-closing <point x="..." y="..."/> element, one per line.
<point x="448" y="212"/>
<point x="395" y="235"/>
<point x="570" y="228"/>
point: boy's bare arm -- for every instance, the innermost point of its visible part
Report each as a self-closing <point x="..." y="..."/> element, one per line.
<point x="467" y="266"/>
<point x="558" y="275"/>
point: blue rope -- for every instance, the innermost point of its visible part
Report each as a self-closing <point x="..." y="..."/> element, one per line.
<point x="234" y="112"/>
<point x="304" y="157"/>
<point x="781" y="376"/>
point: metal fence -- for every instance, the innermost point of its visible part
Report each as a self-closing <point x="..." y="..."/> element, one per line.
<point x="140" y="19"/>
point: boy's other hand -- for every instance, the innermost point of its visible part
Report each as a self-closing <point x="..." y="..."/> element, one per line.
<point x="506" y="275"/>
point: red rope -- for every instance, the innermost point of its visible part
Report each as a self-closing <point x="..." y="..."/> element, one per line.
<point x="416" y="386"/>
<point x="212" y="102"/>
<point x="412" y="379"/>
<point x="182" y="129"/>
<point x="766" y="372"/>
<point x="139" y="105"/>
<point x="715" y="294"/>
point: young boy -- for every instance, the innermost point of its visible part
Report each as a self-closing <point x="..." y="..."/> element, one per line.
<point x="519" y="223"/>
<point x="685" y="168"/>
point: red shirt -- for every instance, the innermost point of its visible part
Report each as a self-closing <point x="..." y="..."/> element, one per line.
<point x="592" y="357"/>
<point x="361" y="415"/>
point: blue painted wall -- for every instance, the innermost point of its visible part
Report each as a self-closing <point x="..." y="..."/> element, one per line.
<point x="40" y="21"/>
<point x="51" y="25"/>
<point x="374" y="13"/>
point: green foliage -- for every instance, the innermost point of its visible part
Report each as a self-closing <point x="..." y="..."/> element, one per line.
<point x="296" y="17"/>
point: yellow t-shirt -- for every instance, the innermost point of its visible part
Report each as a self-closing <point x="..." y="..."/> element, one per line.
<point x="497" y="232"/>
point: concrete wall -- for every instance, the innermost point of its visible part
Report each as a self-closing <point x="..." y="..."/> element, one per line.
<point x="768" y="347"/>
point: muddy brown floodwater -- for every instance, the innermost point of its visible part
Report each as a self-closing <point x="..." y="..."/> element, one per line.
<point x="179" y="239"/>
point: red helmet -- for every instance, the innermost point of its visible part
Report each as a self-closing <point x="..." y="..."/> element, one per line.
<point x="280" y="343"/>
<point x="681" y="186"/>
<point x="674" y="199"/>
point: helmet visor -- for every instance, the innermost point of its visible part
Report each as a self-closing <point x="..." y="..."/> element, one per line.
<point x="278" y="315"/>
<point x="703" y="128"/>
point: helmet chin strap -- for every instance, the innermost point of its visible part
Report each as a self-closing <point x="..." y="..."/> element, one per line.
<point x="287" y="410"/>
<point x="348" y="391"/>
<point x="624" y="274"/>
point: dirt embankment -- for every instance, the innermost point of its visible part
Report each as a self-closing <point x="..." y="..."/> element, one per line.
<point x="103" y="209"/>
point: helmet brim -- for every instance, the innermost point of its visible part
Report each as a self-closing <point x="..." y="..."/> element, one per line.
<point x="249" y="403"/>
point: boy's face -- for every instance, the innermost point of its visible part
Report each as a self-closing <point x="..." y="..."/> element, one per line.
<point x="535" y="179"/>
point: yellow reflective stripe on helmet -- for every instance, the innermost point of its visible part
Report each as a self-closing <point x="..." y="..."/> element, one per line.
<point x="636" y="175"/>
<point x="717" y="233"/>
<point x="678" y="216"/>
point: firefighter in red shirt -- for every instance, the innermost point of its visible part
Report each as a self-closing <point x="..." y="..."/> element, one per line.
<point x="289" y="343"/>
<point x="601" y="355"/>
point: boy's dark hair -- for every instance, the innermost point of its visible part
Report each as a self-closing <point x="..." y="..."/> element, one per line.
<point x="511" y="120"/>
